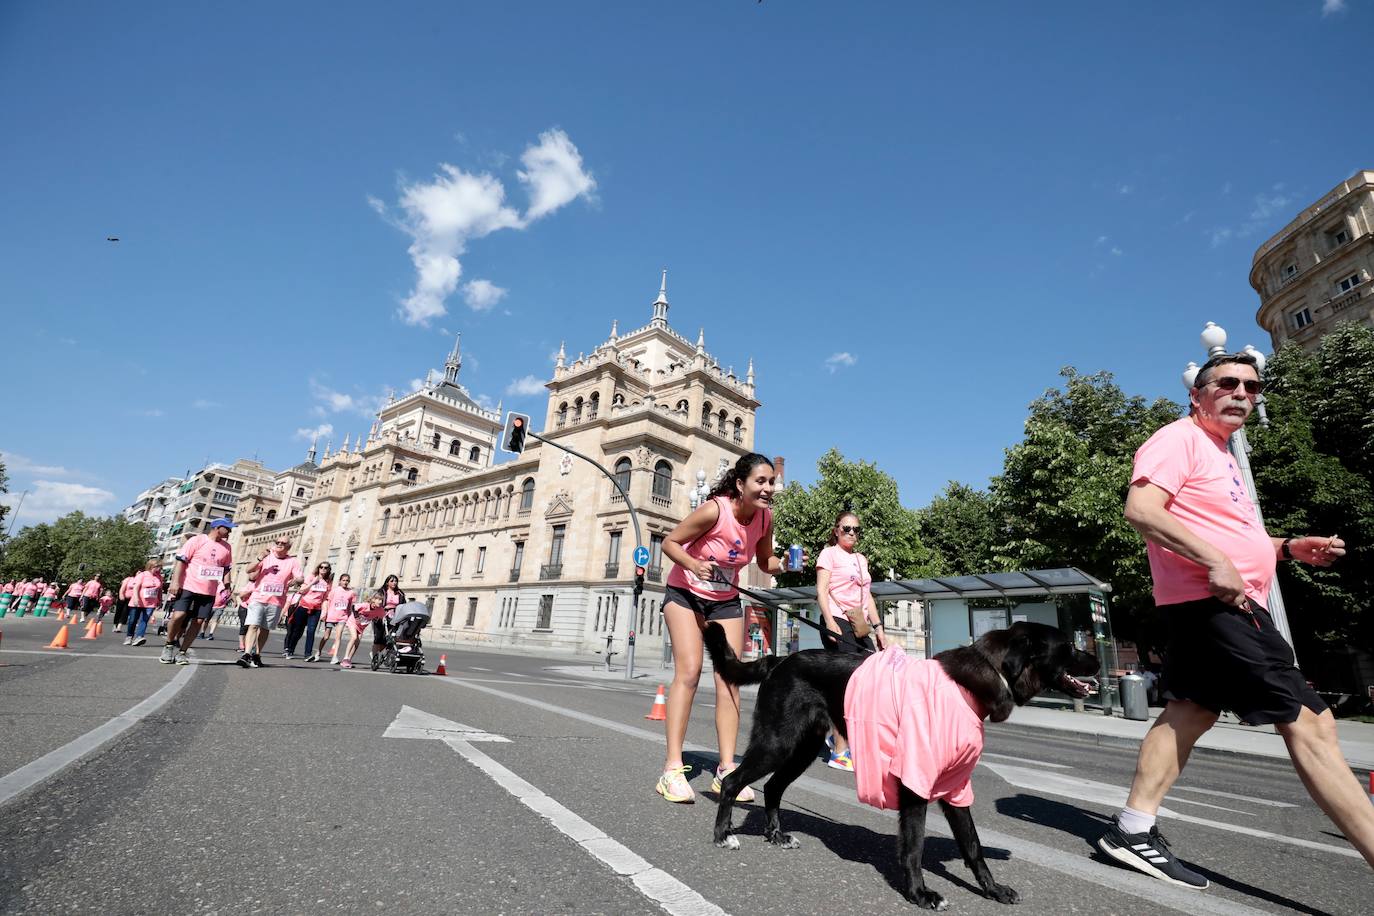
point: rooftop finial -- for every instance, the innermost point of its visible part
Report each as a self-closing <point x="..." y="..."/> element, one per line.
<point x="661" y="303"/>
<point x="310" y="455"/>
<point x="454" y="362"/>
<point x="345" y="446"/>
<point x="701" y="341"/>
<point x="615" y="326"/>
<point x="749" y="377"/>
<point x="562" y="357"/>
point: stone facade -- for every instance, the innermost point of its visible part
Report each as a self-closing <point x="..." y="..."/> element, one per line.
<point x="534" y="551"/>
<point x="1318" y="271"/>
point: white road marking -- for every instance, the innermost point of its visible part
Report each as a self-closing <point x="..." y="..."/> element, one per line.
<point x="1039" y="763"/>
<point x="475" y="668"/>
<point x="1244" y="798"/>
<point x="1082" y="868"/>
<point x="653" y="882"/>
<point x="30" y="774"/>
<point x="140" y="657"/>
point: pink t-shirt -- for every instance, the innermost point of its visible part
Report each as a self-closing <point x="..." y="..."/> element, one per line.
<point x="207" y="562"/>
<point x="147" y="589"/>
<point x="849" y="577"/>
<point x="74" y="590"/>
<point x="314" y="592"/>
<point x="106" y="602"/>
<point x="50" y="591"/>
<point x="909" y="723"/>
<point x="126" y="588"/>
<point x="7" y="588"/>
<point x="29" y="590"/>
<point x="392" y="599"/>
<point x="274" y="575"/>
<point x="92" y="589"/>
<point x="221" y="597"/>
<point x="340" y="600"/>
<point x="729" y="545"/>
<point x="1210" y="500"/>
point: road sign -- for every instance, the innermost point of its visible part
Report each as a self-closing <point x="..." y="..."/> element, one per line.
<point x="641" y="556"/>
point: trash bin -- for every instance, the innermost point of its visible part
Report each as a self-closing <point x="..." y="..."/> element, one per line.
<point x="1135" y="703"/>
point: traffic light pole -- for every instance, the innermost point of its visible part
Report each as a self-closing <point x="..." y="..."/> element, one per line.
<point x="639" y="542"/>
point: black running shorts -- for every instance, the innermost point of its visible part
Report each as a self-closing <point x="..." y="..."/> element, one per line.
<point x="729" y="609"/>
<point x="1223" y="658"/>
<point x="846" y="641"/>
<point x="199" y="606"/>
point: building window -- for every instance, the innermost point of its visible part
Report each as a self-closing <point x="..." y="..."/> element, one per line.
<point x="455" y="448"/>
<point x="386" y="520"/>
<point x="272" y="514"/>
<point x="412" y="475"/>
<point x="481" y="559"/>
<point x="438" y="562"/>
<point x="1349" y="283"/>
<point x="458" y="563"/>
<point x="593" y="404"/>
<point x="419" y="565"/>
<point x="1302" y="318"/>
<point x="401" y="573"/>
<point x="562" y="414"/>
<point x="434" y="443"/>
<point x="613" y="557"/>
<point x="556" y="545"/>
<point x="1339" y="237"/>
<point x="472" y="612"/>
<point x="519" y="559"/>
<point x="622" y="474"/>
<point x="348" y="564"/>
<point x="1290" y="270"/>
<point x="577" y="411"/>
<point x="475" y="455"/>
<point x="706" y="415"/>
<point x="527" y="495"/>
<point x="448" y="611"/>
<point x="663" y="480"/>
<point x="545" y="620"/>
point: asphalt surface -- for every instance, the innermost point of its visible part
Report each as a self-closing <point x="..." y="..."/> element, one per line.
<point x="279" y="791"/>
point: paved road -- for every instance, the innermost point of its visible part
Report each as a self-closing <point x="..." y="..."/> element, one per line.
<point x="281" y="791"/>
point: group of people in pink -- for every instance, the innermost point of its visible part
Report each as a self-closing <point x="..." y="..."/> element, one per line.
<point x="36" y="596"/>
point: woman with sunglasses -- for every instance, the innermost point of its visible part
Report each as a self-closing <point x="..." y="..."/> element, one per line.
<point x="392" y="598"/>
<point x="847" y="609"/>
<point x="307" y="616"/>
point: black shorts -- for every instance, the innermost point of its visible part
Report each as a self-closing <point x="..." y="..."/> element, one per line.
<point x="201" y="607"/>
<point x="846" y="642"/>
<point x="89" y="605"/>
<point x="729" y="609"/>
<point x="379" y="632"/>
<point x="1221" y="658"/>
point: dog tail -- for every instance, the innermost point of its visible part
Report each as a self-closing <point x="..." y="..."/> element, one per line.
<point x="728" y="665"/>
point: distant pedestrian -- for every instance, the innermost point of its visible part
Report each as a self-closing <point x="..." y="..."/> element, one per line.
<point x="201" y="566"/>
<point x="107" y="603"/>
<point x="121" y="614"/>
<point x="144" y="597"/>
<point x="6" y="597"/>
<point x="221" y="602"/>
<point x="308" y="610"/>
<point x="364" y="616"/>
<point x="45" y="600"/>
<point x="90" y="597"/>
<point x="28" y="597"/>
<point x="709" y="548"/>
<point x="339" y="605"/>
<point x="1212" y="564"/>
<point x="275" y="572"/>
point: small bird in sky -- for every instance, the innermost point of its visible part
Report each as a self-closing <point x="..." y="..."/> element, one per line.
<point x="111" y="238"/>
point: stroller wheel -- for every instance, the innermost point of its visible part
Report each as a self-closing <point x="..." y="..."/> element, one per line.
<point x="376" y="661"/>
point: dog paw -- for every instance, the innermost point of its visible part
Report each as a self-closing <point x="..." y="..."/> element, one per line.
<point x="1003" y="894"/>
<point x="929" y="900"/>
<point x="730" y="842"/>
<point x="784" y="841"/>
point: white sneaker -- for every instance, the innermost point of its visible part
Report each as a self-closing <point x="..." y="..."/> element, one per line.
<point x="129" y="641"/>
<point x="169" y="654"/>
<point x="140" y="641"/>
<point x="334" y="661"/>
<point x="183" y="658"/>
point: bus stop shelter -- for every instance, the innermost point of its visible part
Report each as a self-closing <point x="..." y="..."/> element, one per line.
<point x="959" y="609"/>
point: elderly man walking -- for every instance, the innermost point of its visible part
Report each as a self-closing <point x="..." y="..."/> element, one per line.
<point x="273" y="575"/>
<point x="1212" y="563"/>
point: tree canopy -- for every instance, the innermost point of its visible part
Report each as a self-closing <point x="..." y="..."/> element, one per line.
<point x="78" y="546"/>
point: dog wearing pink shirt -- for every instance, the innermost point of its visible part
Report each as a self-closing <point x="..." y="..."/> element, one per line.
<point x="915" y="726"/>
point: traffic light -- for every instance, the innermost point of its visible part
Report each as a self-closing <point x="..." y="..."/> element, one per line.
<point x="639" y="579"/>
<point x="517" y="424"/>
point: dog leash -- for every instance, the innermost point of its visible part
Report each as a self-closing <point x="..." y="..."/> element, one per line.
<point x="806" y="620"/>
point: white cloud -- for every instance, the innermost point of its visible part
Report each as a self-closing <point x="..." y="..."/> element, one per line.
<point x="482" y="295"/>
<point x="1101" y="240"/>
<point x="1221" y="236"/>
<point x="1124" y="189"/>
<point x="203" y="404"/>
<point x="150" y="412"/>
<point x="331" y="401"/>
<point x="1267" y="208"/>
<point x="1331" y="7"/>
<point x="1226" y="188"/>
<point x="47" y="500"/>
<point x="310" y="433"/>
<point x="443" y="215"/>
<point x="834" y="361"/>
<point x="525" y="387"/>
<point x="554" y="174"/>
<point x="16" y="464"/>
<point x="1116" y="251"/>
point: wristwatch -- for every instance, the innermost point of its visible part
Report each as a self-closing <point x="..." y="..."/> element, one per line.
<point x="1287" y="554"/>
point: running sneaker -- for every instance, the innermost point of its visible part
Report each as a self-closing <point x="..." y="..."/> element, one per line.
<point x="745" y="795"/>
<point x="287" y="655"/>
<point x="344" y="664"/>
<point x="244" y="661"/>
<point x="140" y="641"/>
<point x="169" y="654"/>
<point x="211" y="637"/>
<point x="313" y="658"/>
<point x="673" y="786"/>
<point x="1149" y="853"/>
<point x="841" y="761"/>
<point x="258" y="662"/>
<point x="129" y="641"/>
<point x="183" y="658"/>
<point x="255" y="661"/>
<point x="335" y="661"/>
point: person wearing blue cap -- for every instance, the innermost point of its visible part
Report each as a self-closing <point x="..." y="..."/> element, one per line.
<point x="201" y="568"/>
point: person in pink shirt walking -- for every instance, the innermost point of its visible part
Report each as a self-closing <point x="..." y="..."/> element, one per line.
<point x="202" y="566"/>
<point x="6" y="597"/>
<point x="338" y="607"/>
<point x="90" y="597"/>
<point x="272" y="576"/>
<point x="367" y="615"/>
<point x="121" y="614"/>
<point x="144" y="597"/>
<point x="71" y="598"/>
<point x="28" y="592"/>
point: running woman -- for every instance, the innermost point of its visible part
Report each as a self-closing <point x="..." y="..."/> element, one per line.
<point x="202" y="565"/>
<point x="107" y="603"/>
<point x="339" y="605"/>
<point x="122" y="605"/>
<point x="275" y="572"/>
<point x="145" y="596"/>
<point x="90" y="597"/>
<point x="363" y="616"/>
<point x="313" y="594"/>
<point x="71" y="599"/>
<point x="708" y="549"/>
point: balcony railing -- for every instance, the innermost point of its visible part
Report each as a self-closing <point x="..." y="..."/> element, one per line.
<point x="655" y="573"/>
<point x="515" y="575"/>
<point x="662" y="501"/>
<point x="612" y="570"/>
<point x="550" y="570"/>
<point x="1346" y="301"/>
<point x="433" y="579"/>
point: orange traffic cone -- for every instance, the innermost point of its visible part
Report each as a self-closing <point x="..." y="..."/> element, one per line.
<point x="60" y="640"/>
<point x="442" y="670"/>
<point x="90" y="631"/>
<point x="99" y="628"/>
<point x="660" y="707"/>
<point x="61" y="613"/>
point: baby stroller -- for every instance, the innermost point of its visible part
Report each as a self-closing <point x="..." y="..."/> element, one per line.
<point x="404" y="651"/>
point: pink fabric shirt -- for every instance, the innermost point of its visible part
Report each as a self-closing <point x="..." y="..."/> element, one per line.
<point x="106" y="602"/>
<point x="207" y="562"/>
<point x="50" y="591"/>
<point x="849" y="577"/>
<point x="92" y="590"/>
<point x="314" y="592"/>
<point x="147" y="589"/>
<point x="7" y="588"/>
<point x="29" y="590"/>
<point x="74" y="590"/>
<point x="221" y="597"/>
<point x="392" y="600"/>
<point x="273" y="576"/>
<point x="126" y="588"/>
<point x="1210" y="500"/>
<point x="340" y="600"/>
<point x="729" y="545"/>
<point x="909" y="723"/>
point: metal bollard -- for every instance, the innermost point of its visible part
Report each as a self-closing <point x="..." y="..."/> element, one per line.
<point x="1135" y="702"/>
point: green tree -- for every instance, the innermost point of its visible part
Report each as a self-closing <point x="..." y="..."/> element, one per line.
<point x="4" y="507"/>
<point x="891" y="539"/>
<point x="78" y="546"/>
<point x="960" y="528"/>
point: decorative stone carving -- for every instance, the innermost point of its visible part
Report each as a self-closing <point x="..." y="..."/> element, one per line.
<point x="643" y="456"/>
<point x="353" y="538"/>
<point x="561" y="504"/>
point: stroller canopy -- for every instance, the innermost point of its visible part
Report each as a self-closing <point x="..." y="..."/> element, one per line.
<point x="409" y="609"/>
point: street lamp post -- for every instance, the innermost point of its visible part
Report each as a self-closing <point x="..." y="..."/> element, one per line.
<point x="1214" y="339"/>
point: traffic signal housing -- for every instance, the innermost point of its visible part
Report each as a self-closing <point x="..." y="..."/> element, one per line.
<point x="639" y="579"/>
<point x="517" y="425"/>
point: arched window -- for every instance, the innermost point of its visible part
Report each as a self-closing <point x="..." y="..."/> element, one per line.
<point x="300" y="491"/>
<point x="527" y="495"/>
<point x="272" y="514"/>
<point x="682" y="406"/>
<point x="455" y="448"/>
<point x="412" y="475"/>
<point x="593" y="404"/>
<point x="663" y="480"/>
<point x="706" y="415"/>
<point x="386" y="520"/>
<point x="562" y="413"/>
<point x="720" y="423"/>
<point x="739" y="430"/>
<point x="436" y="440"/>
<point x="397" y="467"/>
<point x="475" y="455"/>
<point x="622" y="473"/>
<point x="577" y="411"/>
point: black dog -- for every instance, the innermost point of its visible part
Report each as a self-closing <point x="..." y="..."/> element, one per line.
<point x="802" y="695"/>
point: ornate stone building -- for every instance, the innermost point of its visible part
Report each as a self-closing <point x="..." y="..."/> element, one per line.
<point x="1317" y="271"/>
<point x="536" y="550"/>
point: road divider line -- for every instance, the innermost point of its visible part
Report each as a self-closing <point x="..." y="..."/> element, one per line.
<point x="1082" y="868"/>
<point x="1244" y="798"/>
<point x="67" y="653"/>
<point x="30" y="774"/>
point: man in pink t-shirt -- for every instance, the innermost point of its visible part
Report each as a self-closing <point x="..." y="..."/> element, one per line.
<point x="202" y="566"/>
<point x="272" y="576"/>
<point x="1212" y="563"/>
<point x="90" y="597"/>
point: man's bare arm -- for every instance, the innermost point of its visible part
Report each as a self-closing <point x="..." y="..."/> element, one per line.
<point x="1146" y="511"/>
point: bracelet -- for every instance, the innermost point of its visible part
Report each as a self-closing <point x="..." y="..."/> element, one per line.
<point x="1287" y="554"/>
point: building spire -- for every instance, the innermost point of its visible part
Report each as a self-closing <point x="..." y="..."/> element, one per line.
<point x="454" y="363"/>
<point x="661" y="303"/>
<point x="615" y="326"/>
<point x="344" y="450"/>
<point x="749" y="377"/>
<point x="562" y="356"/>
<point x="310" y="455"/>
<point x="701" y="342"/>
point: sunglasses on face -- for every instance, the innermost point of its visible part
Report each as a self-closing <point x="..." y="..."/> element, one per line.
<point x="851" y="529"/>
<point x="283" y="544"/>
<point x="1231" y="383"/>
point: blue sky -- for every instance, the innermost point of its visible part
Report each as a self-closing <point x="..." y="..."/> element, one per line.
<point x="909" y="215"/>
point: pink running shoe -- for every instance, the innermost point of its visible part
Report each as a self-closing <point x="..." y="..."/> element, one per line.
<point x="345" y="664"/>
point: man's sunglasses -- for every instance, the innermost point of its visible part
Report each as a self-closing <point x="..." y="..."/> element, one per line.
<point x="283" y="543"/>
<point x="855" y="530"/>
<point x="1231" y="383"/>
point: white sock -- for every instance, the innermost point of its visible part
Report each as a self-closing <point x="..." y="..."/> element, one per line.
<point x="1133" y="821"/>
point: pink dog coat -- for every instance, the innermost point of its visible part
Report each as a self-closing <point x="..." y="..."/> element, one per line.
<point x="909" y="722"/>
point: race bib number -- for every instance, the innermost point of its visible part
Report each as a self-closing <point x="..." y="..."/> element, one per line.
<point x="151" y="591"/>
<point x="340" y="604"/>
<point x="271" y="588"/>
<point x="213" y="573"/>
<point x="320" y="587"/>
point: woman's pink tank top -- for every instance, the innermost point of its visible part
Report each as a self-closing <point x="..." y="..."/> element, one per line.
<point x="729" y="545"/>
